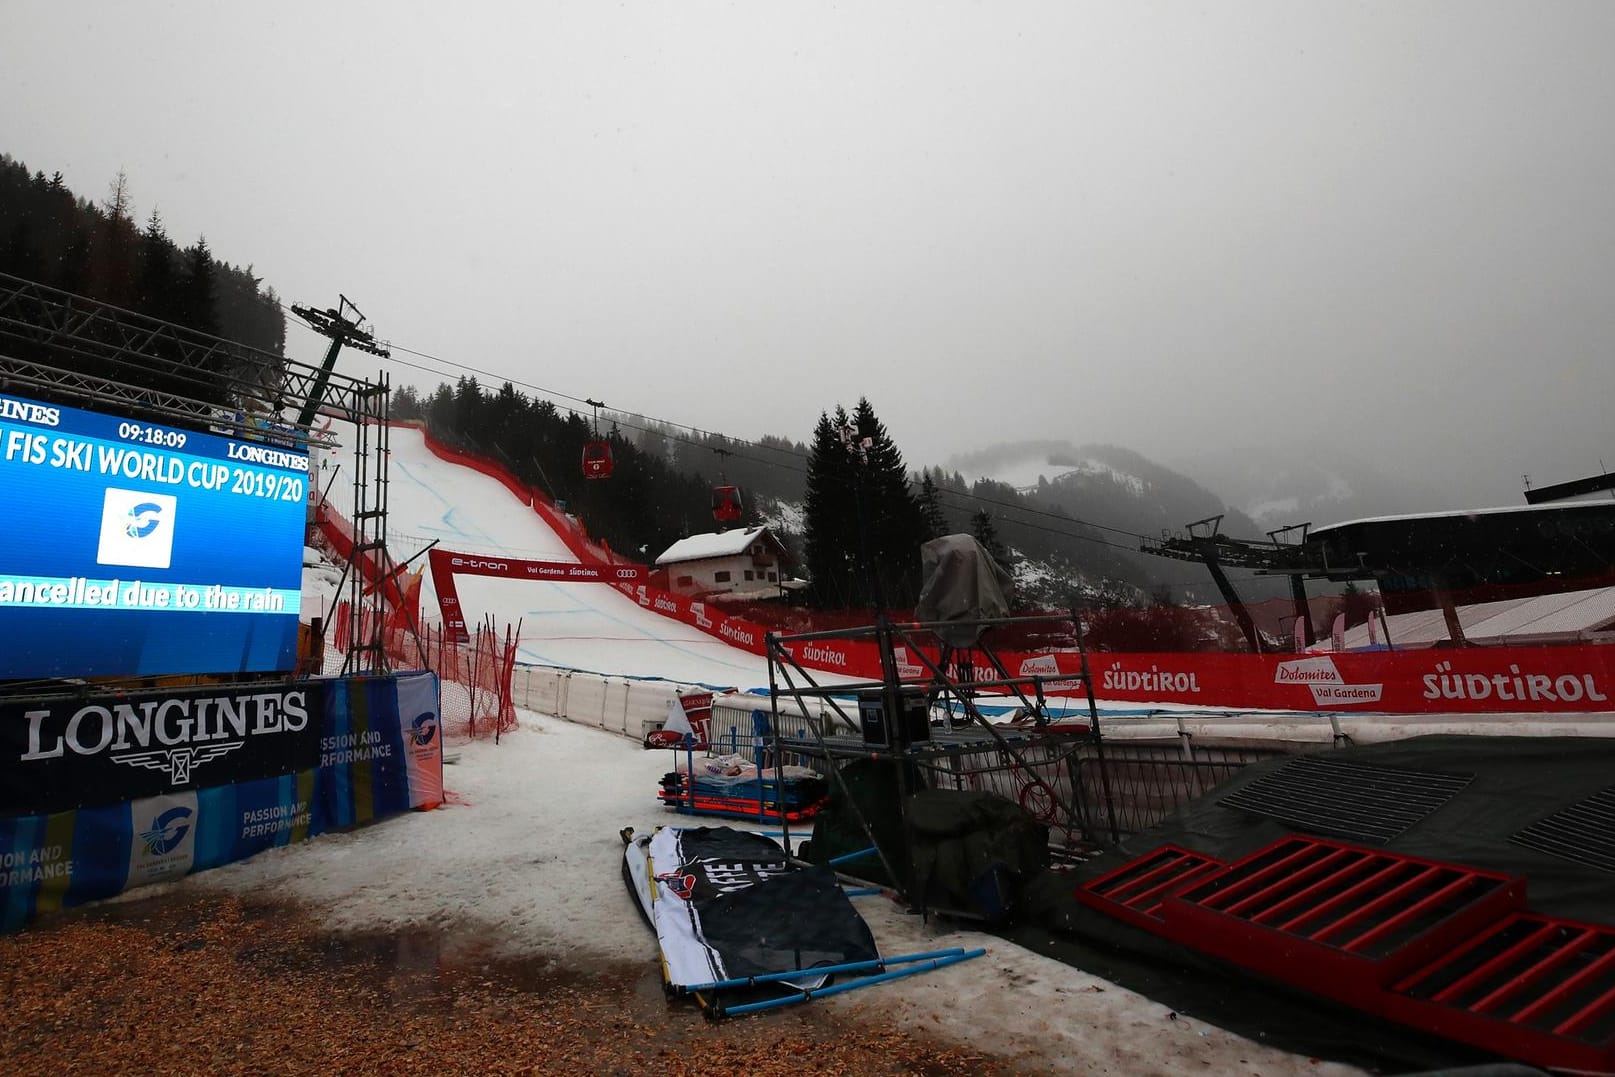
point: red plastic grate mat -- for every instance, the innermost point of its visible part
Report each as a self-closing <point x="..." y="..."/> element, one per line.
<point x="1326" y="912"/>
<point x="1530" y="987"/>
<point x="1439" y="947"/>
<point x="1134" y="891"/>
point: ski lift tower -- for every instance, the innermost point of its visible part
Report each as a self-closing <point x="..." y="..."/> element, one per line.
<point x="368" y="411"/>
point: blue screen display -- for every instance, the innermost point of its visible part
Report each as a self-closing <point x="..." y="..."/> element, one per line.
<point x="134" y="548"/>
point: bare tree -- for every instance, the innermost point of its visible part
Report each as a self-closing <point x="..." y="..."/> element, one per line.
<point x="119" y="206"/>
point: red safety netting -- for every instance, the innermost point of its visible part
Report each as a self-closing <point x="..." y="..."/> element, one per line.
<point x="474" y="676"/>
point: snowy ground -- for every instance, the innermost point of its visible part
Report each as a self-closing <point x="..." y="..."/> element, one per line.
<point x="532" y="859"/>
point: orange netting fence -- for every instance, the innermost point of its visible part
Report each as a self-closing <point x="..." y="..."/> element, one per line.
<point x="474" y="676"/>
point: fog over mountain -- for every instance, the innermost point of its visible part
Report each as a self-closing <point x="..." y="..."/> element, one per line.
<point x="1283" y="487"/>
<point x="1117" y="490"/>
<point x="1256" y="490"/>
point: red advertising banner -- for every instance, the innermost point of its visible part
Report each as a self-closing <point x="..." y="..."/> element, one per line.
<point x="446" y="564"/>
<point x="740" y="633"/>
<point x="1470" y="680"/>
<point x="518" y="569"/>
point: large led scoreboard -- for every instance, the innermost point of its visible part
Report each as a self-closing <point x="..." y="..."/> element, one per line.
<point x="134" y="548"/>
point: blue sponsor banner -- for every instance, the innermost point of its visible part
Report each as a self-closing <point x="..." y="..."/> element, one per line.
<point x="145" y="549"/>
<point x="24" y="859"/>
<point x="238" y="821"/>
<point x="381" y="754"/>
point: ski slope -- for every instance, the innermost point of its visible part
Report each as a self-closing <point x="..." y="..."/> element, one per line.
<point x="582" y="626"/>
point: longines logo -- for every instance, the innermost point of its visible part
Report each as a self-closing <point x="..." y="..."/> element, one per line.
<point x="174" y="736"/>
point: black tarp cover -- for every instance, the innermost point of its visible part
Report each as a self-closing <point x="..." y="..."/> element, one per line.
<point x="962" y="583"/>
<point x="730" y="904"/>
<point x="972" y="851"/>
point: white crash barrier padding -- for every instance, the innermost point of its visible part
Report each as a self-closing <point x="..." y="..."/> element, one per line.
<point x="538" y="688"/>
<point x="614" y="708"/>
<point x="647" y="705"/>
<point x="585" y="700"/>
<point x="618" y="704"/>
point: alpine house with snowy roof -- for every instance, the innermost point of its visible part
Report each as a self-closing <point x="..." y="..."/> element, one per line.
<point x="741" y="561"/>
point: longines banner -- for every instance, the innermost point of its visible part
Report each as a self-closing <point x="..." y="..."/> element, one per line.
<point x="100" y="749"/>
<point x="375" y="751"/>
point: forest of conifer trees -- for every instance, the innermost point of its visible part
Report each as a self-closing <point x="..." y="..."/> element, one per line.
<point x="53" y="237"/>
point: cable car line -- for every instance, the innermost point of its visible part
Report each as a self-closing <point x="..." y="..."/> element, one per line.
<point x="789" y="460"/>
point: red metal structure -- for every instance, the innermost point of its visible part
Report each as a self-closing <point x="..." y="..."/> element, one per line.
<point x="1134" y="892"/>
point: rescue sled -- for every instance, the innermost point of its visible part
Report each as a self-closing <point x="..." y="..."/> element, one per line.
<point x="731" y="787"/>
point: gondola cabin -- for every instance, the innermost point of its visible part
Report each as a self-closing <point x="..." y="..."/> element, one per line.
<point x="597" y="462"/>
<point x="726" y="505"/>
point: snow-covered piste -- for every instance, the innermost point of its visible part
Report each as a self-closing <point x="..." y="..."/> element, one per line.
<point x="583" y="626"/>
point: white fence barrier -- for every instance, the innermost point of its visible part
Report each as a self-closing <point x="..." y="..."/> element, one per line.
<point x="620" y="705"/>
<point x="633" y="708"/>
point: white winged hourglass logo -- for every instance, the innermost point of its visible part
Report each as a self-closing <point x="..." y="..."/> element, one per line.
<point x="179" y="762"/>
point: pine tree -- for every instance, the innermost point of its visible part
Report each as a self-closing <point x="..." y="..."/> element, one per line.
<point x="199" y="307"/>
<point x="114" y="246"/>
<point x="156" y="284"/>
<point x="830" y="544"/>
<point x="892" y="515"/>
<point x="985" y="531"/>
<point x="930" y="500"/>
<point x="862" y="527"/>
<point x="119" y="206"/>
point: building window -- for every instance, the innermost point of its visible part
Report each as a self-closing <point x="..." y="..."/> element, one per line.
<point x="720" y="577"/>
<point x="684" y="581"/>
<point x="772" y="577"/>
<point x="749" y="576"/>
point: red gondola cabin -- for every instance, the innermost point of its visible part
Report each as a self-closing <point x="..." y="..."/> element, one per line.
<point x="726" y="506"/>
<point x="597" y="459"/>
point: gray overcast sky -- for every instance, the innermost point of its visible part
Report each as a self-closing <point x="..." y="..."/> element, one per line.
<point x="1384" y="226"/>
